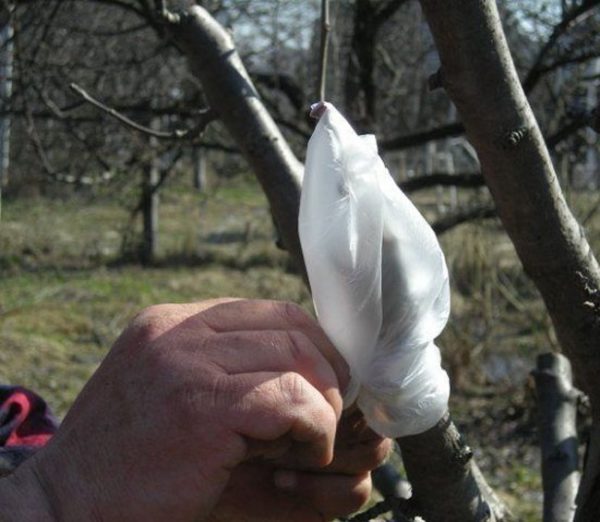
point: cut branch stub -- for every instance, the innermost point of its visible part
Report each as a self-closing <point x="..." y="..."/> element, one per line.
<point x="557" y="413"/>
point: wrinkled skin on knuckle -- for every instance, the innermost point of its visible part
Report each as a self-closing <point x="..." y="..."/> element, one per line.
<point x="299" y="398"/>
<point x="291" y="387"/>
<point x="314" y="365"/>
<point x="294" y="314"/>
<point x="151" y="322"/>
<point x="300" y="348"/>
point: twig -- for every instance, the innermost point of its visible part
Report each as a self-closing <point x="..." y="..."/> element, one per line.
<point x="557" y="411"/>
<point x="325" y="28"/>
<point x="179" y="134"/>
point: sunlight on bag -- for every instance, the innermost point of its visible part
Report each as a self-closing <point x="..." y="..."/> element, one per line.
<point x="378" y="277"/>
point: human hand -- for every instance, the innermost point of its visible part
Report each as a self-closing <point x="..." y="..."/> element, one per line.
<point x="185" y="402"/>
<point x="336" y="490"/>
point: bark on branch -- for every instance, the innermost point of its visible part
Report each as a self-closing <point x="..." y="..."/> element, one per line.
<point x="447" y="483"/>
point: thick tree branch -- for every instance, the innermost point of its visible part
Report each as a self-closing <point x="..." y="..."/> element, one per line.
<point x="518" y="171"/>
<point x="557" y="412"/>
<point x="228" y="88"/>
<point x="447" y="484"/>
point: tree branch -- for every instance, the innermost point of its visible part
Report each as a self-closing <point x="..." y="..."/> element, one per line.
<point x="228" y="88"/>
<point x="284" y="83"/>
<point x="442" y="180"/>
<point x="557" y="412"/>
<point x="420" y="138"/>
<point x="568" y="21"/>
<point x="179" y="134"/>
<point x="447" y="484"/>
<point x="463" y="216"/>
<point x="325" y="28"/>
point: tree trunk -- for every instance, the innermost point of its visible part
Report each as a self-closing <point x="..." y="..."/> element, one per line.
<point x="480" y="77"/>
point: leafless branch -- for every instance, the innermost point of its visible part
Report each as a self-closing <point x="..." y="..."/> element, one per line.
<point x="419" y="138"/>
<point x="567" y="22"/>
<point x="53" y="173"/>
<point x="325" y="28"/>
<point x="284" y="83"/>
<point x="463" y="216"/>
<point x="442" y="180"/>
<point x="164" y="175"/>
<point x="536" y="72"/>
<point x="179" y="134"/>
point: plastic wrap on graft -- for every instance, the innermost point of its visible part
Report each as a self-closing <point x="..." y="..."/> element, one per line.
<point x="378" y="277"/>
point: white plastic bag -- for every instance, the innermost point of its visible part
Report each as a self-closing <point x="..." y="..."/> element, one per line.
<point x="378" y="278"/>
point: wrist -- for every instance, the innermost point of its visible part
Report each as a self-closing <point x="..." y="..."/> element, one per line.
<point x="22" y="497"/>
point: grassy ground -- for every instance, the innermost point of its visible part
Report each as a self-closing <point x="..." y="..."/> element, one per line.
<point x="66" y="292"/>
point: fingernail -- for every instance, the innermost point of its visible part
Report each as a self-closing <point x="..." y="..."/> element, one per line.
<point x="285" y="479"/>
